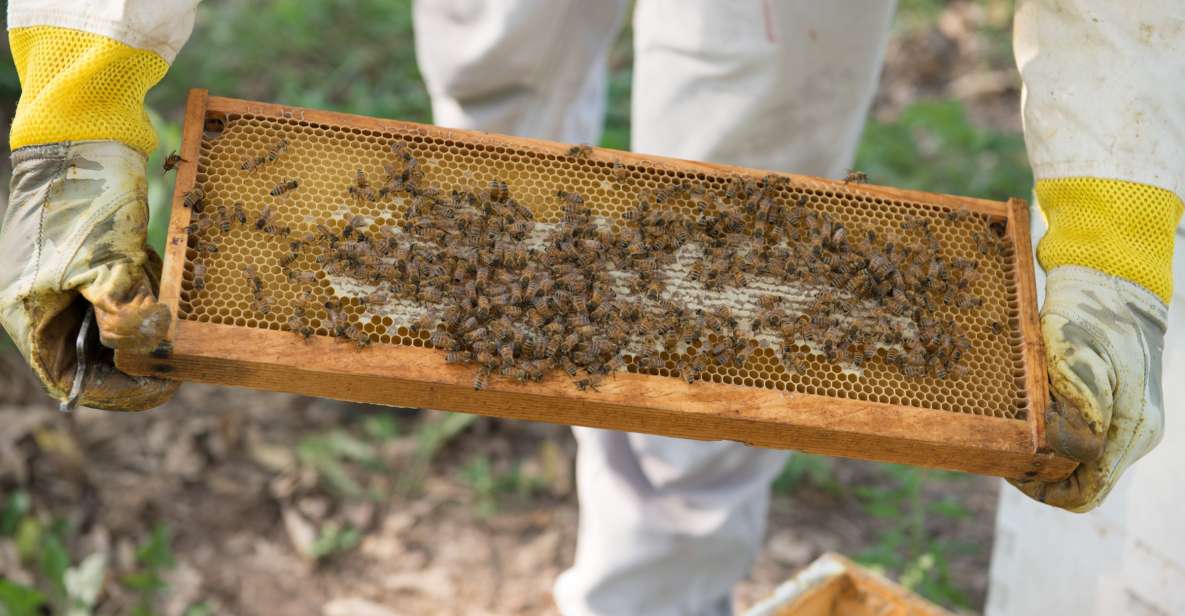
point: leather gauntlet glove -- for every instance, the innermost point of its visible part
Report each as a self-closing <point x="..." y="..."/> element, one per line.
<point x="74" y="233"/>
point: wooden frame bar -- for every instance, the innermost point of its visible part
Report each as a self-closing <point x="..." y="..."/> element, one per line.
<point x="419" y="377"/>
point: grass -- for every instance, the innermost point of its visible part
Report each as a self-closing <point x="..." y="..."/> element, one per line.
<point x="933" y="146"/>
<point x="347" y="460"/>
<point x="905" y="549"/>
<point x="334" y="538"/>
<point x="66" y="582"/>
<point x="493" y="487"/>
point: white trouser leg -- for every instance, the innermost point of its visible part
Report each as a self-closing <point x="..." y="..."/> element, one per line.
<point x="667" y="526"/>
<point x="532" y="68"/>
<point x="780" y="85"/>
<point x="1127" y="556"/>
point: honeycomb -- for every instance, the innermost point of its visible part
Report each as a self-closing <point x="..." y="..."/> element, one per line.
<point x="324" y="158"/>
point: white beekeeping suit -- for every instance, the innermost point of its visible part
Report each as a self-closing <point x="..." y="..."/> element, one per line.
<point x="668" y="526"/>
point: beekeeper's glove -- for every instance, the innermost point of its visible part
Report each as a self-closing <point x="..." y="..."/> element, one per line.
<point x="1108" y="254"/>
<point x="77" y="218"/>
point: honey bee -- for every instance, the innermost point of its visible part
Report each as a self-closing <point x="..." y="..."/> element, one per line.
<point x="570" y="199"/>
<point x="969" y="301"/>
<point x="620" y="172"/>
<point x="356" y="223"/>
<point x="224" y="219"/>
<point x="589" y="382"/>
<point x="795" y="364"/>
<point x="250" y="164"/>
<point x="833" y="234"/>
<point x="306" y="278"/>
<point x="458" y="357"/>
<point x="499" y="192"/>
<point x="284" y="187"/>
<point x="855" y="177"/>
<point x="424" y="322"/>
<point x="297" y="324"/>
<point x="536" y="370"/>
<point x="442" y="340"/>
<point x="958" y="215"/>
<point x="199" y="276"/>
<point x="996" y="327"/>
<point x="913" y="371"/>
<point x="582" y="150"/>
<point x="915" y="222"/>
<point x="276" y="150"/>
<point x="193" y="199"/>
<point x="265" y="218"/>
<point x="481" y="378"/>
<point x="880" y="266"/>
<point x="262" y="304"/>
<point x="288" y="259"/>
<point x="239" y="213"/>
<point x="172" y="160"/>
<point x="253" y="279"/>
<point x="200" y="226"/>
<point x="360" y="338"/>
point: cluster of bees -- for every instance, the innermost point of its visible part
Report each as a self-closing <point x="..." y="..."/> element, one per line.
<point x="520" y="300"/>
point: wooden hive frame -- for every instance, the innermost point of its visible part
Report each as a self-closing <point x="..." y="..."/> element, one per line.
<point x="413" y="376"/>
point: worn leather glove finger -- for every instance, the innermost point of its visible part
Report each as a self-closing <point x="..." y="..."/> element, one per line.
<point x="1104" y="339"/>
<point x="75" y="233"/>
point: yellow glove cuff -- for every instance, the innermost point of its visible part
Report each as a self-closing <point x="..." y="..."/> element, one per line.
<point x="77" y="86"/>
<point x="1120" y="228"/>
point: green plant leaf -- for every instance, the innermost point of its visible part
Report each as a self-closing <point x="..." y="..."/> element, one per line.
<point x="53" y="560"/>
<point x="199" y="609"/>
<point x="15" y="508"/>
<point x="438" y="431"/>
<point x="320" y="453"/>
<point x="28" y="538"/>
<point x="157" y="552"/>
<point x="933" y="146"/>
<point x="334" y="538"/>
<point x="143" y="581"/>
<point x="18" y="600"/>
<point x="949" y="508"/>
<point x="381" y="426"/>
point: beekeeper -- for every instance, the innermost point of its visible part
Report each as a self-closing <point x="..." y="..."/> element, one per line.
<point x="668" y="526"/>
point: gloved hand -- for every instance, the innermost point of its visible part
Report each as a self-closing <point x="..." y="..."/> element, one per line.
<point x="1104" y="337"/>
<point x="75" y="232"/>
<point x="1108" y="255"/>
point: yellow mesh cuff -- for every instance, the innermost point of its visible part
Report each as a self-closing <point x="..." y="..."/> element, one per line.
<point x="1120" y="228"/>
<point x="79" y="86"/>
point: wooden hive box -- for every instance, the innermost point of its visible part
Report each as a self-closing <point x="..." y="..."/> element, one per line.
<point x="989" y="421"/>
<point x="835" y="586"/>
